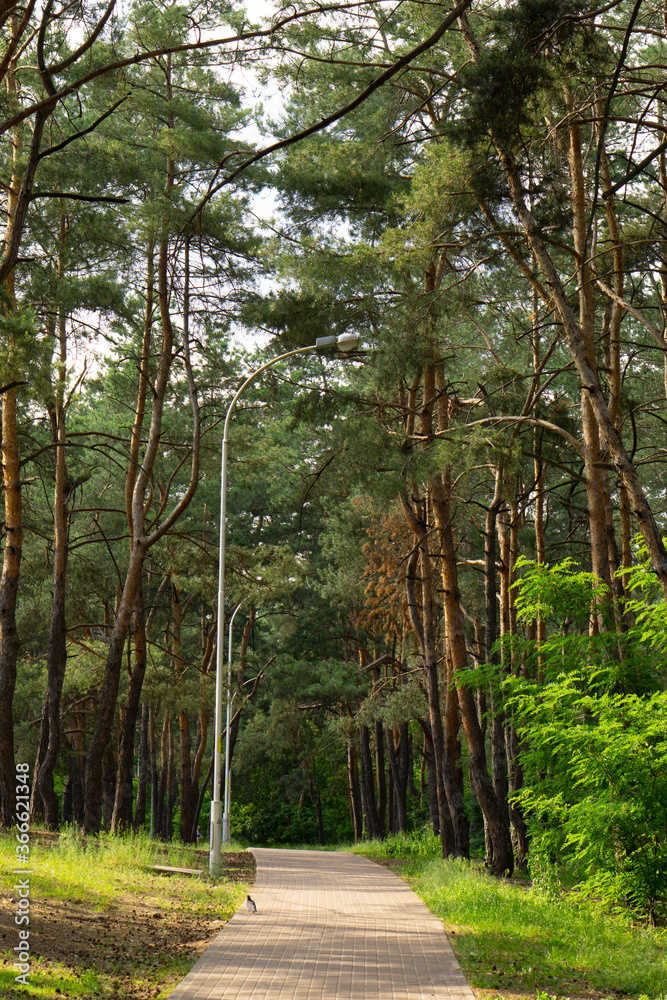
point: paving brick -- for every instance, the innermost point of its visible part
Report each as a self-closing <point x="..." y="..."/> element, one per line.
<point x="329" y="926"/>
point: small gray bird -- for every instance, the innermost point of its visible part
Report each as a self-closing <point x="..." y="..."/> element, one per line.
<point x="250" y="905"/>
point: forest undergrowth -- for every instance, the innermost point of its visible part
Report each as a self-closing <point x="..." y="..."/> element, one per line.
<point x="519" y="937"/>
<point x="104" y="925"/>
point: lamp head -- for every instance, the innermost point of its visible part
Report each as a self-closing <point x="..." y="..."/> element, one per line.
<point x="344" y="342"/>
<point x="347" y="341"/>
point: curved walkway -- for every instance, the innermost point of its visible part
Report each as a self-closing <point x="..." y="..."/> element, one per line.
<point x="329" y="926"/>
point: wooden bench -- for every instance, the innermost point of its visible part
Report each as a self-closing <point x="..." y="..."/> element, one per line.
<point x="167" y="870"/>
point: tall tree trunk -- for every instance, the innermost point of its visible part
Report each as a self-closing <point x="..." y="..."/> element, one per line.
<point x="200" y="800"/>
<point x="108" y="787"/>
<point x="144" y="771"/>
<point x="498" y="751"/>
<point x="540" y="546"/>
<point x="56" y="658"/>
<point x="9" y="581"/>
<point x="392" y="826"/>
<point x="75" y="762"/>
<point x="107" y="704"/>
<point x="397" y="752"/>
<point x="604" y="549"/>
<point x="172" y="786"/>
<point x="18" y="199"/>
<point x="164" y="776"/>
<point x="453" y="772"/>
<point x="590" y="432"/>
<point x="495" y="823"/>
<point x="380" y="776"/>
<point x="354" y="798"/>
<point x="155" y="778"/>
<point x="495" y="524"/>
<point x="122" y="812"/>
<point x="186" y="791"/>
<point x="187" y="804"/>
<point x="197" y="796"/>
<point x="147" y="741"/>
<point x="138" y="483"/>
<point x="420" y="609"/>
<point x="56" y="661"/>
<point x="367" y="781"/>
<point x="405" y="765"/>
<point x="240" y="678"/>
<point x="66" y="807"/>
<point x="515" y="772"/>
<point x="316" y="799"/>
<point x="516" y="781"/>
<point x="431" y="777"/>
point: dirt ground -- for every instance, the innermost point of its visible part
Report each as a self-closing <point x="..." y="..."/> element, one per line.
<point x="129" y="941"/>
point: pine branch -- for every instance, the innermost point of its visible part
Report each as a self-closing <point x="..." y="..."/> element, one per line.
<point x="319" y="126"/>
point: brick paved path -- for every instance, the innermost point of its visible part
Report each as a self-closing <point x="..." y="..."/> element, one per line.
<point x="329" y="926"/>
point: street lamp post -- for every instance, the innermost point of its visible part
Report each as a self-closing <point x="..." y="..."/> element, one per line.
<point x="345" y="342"/>
<point x="226" y="827"/>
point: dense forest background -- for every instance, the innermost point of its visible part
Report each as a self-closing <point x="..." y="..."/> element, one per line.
<point x="447" y="548"/>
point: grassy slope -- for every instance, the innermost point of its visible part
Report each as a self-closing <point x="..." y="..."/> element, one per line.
<point x="514" y="940"/>
<point x="510" y="939"/>
<point x="102" y="924"/>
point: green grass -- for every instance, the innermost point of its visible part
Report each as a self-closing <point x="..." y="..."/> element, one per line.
<point x="49" y="980"/>
<point x="97" y="868"/>
<point x="420" y="845"/>
<point x="511" y="937"/>
<point x="112" y="875"/>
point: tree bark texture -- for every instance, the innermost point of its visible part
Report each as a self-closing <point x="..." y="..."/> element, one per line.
<point x="420" y="608"/>
<point x="367" y="785"/>
<point x="398" y="755"/>
<point x="144" y="771"/>
<point x="380" y="775"/>
<point x="56" y="658"/>
<point x="9" y="581"/>
<point x="122" y="812"/>
<point x="495" y="822"/>
<point x="453" y="772"/>
<point x="354" y="796"/>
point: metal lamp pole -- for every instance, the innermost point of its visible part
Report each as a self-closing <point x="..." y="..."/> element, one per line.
<point x="226" y="826"/>
<point x="344" y="342"/>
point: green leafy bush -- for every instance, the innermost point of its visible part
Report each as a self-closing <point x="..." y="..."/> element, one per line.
<point x="544" y="873"/>
<point x="595" y="753"/>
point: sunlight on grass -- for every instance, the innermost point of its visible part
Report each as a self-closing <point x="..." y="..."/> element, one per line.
<point x="512" y="938"/>
<point x="115" y="874"/>
<point x="48" y="982"/>
<point x="419" y="845"/>
<point x="508" y="936"/>
<point x="98" y="867"/>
